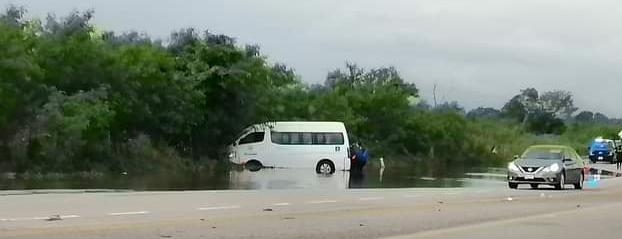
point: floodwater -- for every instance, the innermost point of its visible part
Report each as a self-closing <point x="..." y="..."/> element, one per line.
<point x="271" y="179"/>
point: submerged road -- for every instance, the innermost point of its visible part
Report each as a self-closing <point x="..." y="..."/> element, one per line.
<point x="490" y="212"/>
<point x="605" y="166"/>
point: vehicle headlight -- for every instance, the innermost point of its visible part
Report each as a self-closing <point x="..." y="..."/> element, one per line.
<point x="231" y="155"/>
<point x="553" y="168"/>
<point x="512" y="167"/>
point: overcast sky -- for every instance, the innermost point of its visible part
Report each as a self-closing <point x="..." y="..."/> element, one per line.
<point x="478" y="52"/>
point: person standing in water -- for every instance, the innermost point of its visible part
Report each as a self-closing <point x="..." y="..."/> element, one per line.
<point x="361" y="159"/>
<point x="354" y="150"/>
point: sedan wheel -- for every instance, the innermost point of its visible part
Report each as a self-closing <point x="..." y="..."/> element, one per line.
<point x="513" y="185"/>
<point x="579" y="185"/>
<point x="562" y="182"/>
<point x="534" y="186"/>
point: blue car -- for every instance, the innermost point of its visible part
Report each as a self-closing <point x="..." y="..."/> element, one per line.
<point x="602" y="150"/>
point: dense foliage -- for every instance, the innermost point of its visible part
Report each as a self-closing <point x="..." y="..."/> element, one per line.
<point x="77" y="99"/>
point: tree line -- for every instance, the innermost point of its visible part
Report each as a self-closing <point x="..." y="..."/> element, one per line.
<point x="75" y="98"/>
<point x="546" y="113"/>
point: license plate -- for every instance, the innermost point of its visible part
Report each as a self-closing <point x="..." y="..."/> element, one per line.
<point x="600" y="158"/>
<point x="529" y="177"/>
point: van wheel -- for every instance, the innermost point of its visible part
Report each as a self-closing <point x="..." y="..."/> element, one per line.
<point x="253" y="165"/>
<point x="325" y="167"/>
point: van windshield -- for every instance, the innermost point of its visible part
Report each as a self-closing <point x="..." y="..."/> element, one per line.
<point x="255" y="137"/>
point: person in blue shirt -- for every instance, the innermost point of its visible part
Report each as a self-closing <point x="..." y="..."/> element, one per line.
<point x="362" y="156"/>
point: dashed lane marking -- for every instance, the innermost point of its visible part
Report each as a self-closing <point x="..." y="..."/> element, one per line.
<point x="411" y="196"/>
<point x="371" y="199"/>
<point x="321" y="202"/>
<point x="218" y="208"/>
<point x="127" y="213"/>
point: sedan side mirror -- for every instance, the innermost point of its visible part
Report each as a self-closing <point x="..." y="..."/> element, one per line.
<point x="515" y="156"/>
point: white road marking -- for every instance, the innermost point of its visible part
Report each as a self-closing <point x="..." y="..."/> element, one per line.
<point x="127" y="213"/>
<point x="371" y="199"/>
<point x="36" y="218"/>
<point x="321" y="202"/>
<point x="281" y="204"/>
<point x="411" y="196"/>
<point x="23" y="219"/>
<point x="218" y="208"/>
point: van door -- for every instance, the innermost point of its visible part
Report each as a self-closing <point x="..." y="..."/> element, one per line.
<point x="249" y="147"/>
<point x="288" y="150"/>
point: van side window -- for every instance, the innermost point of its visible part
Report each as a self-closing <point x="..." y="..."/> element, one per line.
<point x="279" y="138"/>
<point x="328" y="138"/>
<point x="252" y="138"/>
<point x="318" y="138"/>
<point x="334" y="138"/>
<point x="295" y="138"/>
<point x="306" y="138"/>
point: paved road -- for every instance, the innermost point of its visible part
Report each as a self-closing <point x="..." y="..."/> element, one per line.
<point x="492" y="212"/>
<point x="595" y="222"/>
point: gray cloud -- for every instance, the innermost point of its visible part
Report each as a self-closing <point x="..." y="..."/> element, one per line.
<point x="479" y="52"/>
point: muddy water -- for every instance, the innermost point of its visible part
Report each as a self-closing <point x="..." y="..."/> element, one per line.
<point x="269" y="179"/>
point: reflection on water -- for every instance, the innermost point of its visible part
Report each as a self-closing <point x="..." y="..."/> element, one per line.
<point x="287" y="179"/>
<point x="604" y="173"/>
<point x="267" y="179"/>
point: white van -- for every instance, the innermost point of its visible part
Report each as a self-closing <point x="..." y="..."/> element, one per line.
<point x="320" y="145"/>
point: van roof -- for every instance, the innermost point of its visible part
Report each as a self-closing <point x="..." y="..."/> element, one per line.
<point x="305" y="126"/>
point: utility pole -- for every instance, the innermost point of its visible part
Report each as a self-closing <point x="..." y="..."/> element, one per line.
<point x="434" y="95"/>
